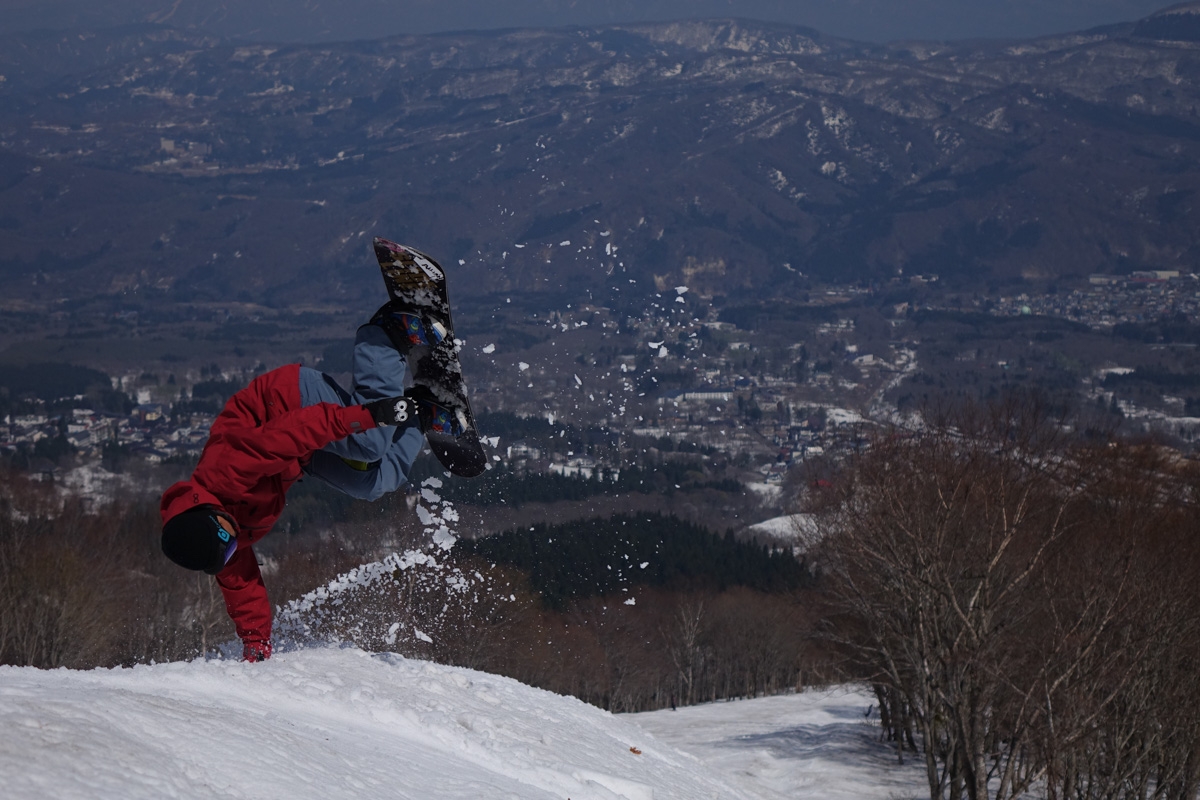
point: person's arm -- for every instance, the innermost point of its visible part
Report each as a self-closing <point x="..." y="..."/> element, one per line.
<point x="236" y="459"/>
<point x="367" y="446"/>
<point x="246" y="601"/>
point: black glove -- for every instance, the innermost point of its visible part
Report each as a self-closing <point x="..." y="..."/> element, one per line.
<point x="398" y="411"/>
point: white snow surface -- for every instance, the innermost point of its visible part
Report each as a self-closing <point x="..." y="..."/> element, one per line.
<point x="321" y="723"/>
<point x="842" y="416"/>
<point x="326" y="722"/>
<point x="767" y="491"/>
<point x="816" y="745"/>
<point x="800" y="527"/>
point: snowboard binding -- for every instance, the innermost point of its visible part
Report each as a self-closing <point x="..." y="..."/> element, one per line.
<point x="436" y="417"/>
<point x="407" y="329"/>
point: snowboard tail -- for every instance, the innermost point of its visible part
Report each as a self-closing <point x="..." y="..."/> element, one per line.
<point x="417" y="283"/>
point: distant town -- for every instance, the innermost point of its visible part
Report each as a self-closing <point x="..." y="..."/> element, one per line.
<point x="678" y="381"/>
<point x="1115" y="299"/>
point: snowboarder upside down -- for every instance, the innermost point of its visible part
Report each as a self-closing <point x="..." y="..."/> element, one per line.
<point x="286" y="423"/>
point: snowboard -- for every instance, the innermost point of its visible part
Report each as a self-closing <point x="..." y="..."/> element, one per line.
<point x="418" y="283"/>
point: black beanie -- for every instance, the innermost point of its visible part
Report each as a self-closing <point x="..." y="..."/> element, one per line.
<point x="193" y="540"/>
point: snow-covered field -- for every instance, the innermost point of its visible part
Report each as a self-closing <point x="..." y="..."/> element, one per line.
<point x="338" y="722"/>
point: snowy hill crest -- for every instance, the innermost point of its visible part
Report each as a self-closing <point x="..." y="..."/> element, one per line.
<point x="323" y="723"/>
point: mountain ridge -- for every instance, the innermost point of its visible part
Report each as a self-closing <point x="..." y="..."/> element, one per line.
<point x="741" y="157"/>
<point x="298" y="20"/>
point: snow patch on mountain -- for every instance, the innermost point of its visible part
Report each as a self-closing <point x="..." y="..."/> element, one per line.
<point x="801" y="528"/>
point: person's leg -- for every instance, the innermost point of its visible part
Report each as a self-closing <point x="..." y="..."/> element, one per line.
<point x="379" y="370"/>
<point x="370" y="481"/>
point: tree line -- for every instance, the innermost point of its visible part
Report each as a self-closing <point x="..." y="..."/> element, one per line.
<point x="1023" y="603"/>
<point x="515" y="489"/>
<point x="53" y="387"/>
<point x="609" y="557"/>
<point x="707" y="618"/>
<point x="83" y="587"/>
<point x="645" y="649"/>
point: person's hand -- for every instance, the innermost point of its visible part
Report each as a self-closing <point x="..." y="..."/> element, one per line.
<point x="398" y="411"/>
<point x="256" y="651"/>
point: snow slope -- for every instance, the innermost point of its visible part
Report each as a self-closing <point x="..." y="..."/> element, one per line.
<point x="327" y="722"/>
<point x="322" y="723"/>
<point x="817" y="745"/>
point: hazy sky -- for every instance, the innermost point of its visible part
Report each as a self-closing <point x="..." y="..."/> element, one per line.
<point x="876" y="20"/>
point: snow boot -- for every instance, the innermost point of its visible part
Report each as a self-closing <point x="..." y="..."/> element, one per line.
<point x="406" y="329"/>
<point x="434" y="415"/>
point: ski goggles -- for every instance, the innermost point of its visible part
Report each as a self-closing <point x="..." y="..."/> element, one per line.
<point x="228" y="538"/>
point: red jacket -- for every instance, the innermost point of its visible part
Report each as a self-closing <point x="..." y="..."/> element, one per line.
<point x="253" y="455"/>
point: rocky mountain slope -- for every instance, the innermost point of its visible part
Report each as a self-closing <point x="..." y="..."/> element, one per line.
<point x="739" y="158"/>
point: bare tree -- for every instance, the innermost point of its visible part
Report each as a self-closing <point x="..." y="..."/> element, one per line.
<point x="985" y="574"/>
<point x="682" y="639"/>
